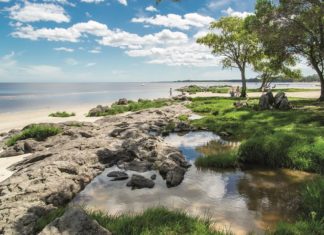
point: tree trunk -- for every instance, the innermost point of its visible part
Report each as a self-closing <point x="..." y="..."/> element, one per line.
<point x="322" y="87"/>
<point x="243" y="91"/>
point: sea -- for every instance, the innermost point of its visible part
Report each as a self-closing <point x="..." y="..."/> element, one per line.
<point x="16" y="97"/>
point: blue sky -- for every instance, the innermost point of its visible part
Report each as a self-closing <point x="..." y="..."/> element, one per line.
<point x="112" y="40"/>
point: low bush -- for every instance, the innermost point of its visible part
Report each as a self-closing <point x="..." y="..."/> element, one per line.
<point x="183" y="118"/>
<point x="62" y="114"/>
<point x="37" y="131"/>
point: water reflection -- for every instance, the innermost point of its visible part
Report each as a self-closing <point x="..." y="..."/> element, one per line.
<point x="244" y="201"/>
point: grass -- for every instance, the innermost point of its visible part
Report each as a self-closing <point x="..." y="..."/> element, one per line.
<point x="134" y="106"/>
<point x="193" y="89"/>
<point x="155" y="221"/>
<point x="37" y="131"/>
<point x="183" y="117"/>
<point x="61" y="114"/>
<point x="311" y="220"/>
<point x="227" y="159"/>
<point x="51" y="216"/>
<point x="273" y="138"/>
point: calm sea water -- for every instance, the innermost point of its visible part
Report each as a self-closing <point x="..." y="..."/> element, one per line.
<point x="30" y="96"/>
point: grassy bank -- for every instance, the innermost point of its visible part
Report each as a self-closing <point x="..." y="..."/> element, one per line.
<point x="38" y="132"/>
<point x="61" y="114"/>
<point x="291" y="139"/>
<point x="155" y="221"/>
<point x="133" y="106"/>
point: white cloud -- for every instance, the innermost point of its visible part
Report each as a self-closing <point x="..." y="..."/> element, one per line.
<point x="124" y="2"/>
<point x="71" y="61"/>
<point x="7" y="62"/>
<point x="64" y="49"/>
<point x="32" y="12"/>
<point x="229" y="11"/>
<point x="151" y="9"/>
<point x="95" y="50"/>
<point x="92" y="1"/>
<point x="90" y="64"/>
<point x="216" y="4"/>
<point x="176" y="21"/>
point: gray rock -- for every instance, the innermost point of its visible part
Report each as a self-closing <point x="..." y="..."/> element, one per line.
<point x="139" y="166"/>
<point x="122" y="101"/>
<point x="97" y="110"/>
<point x="138" y="182"/>
<point x="74" y="222"/>
<point x="153" y="177"/>
<point x="118" y="175"/>
<point x="175" y="176"/>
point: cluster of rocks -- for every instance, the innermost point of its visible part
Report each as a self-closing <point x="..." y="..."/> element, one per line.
<point x="279" y="101"/>
<point x="62" y="165"/>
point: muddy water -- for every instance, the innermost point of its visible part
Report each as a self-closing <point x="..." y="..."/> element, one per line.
<point x="241" y="201"/>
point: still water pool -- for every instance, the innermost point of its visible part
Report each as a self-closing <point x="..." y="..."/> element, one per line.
<point x="242" y="201"/>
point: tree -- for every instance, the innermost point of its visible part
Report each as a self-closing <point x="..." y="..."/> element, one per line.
<point x="293" y="27"/>
<point x="234" y="43"/>
<point x="272" y="68"/>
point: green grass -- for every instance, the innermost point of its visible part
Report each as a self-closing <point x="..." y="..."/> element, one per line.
<point x="183" y="117"/>
<point x="155" y="221"/>
<point x="227" y="159"/>
<point x="61" y="114"/>
<point x="193" y="89"/>
<point x="311" y="220"/>
<point x="135" y="106"/>
<point x="291" y="139"/>
<point x="51" y="216"/>
<point x="37" y="131"/>
<point x="285" y="89"/>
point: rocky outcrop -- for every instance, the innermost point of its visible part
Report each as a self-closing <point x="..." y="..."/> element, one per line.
<point x="122" y="101"/>
<point x="268" y="101"/>
<point x="118" y="175"/>
<point x="139" y="181"/>
<point x="75" y="221"/>
<point x="62" y="165"/>
<point x="97" y="111"/>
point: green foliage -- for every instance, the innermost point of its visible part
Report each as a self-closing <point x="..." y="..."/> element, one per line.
<point x="227" y="159"/>
<point x="234" y="43"/>
<point x="61" y="114"/>
<point x="51" y="216"/>
<point x="155" y="221"/>
<point x="37" y="131"/>
<point x="135" y="106"/>
<point x="301" y="227"/>
<point x="290" y="139"/>
<point x="193" y="89"/>
<point x="183" y="118"/>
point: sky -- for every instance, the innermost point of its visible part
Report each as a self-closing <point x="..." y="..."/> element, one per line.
<point x="113" y="40"/>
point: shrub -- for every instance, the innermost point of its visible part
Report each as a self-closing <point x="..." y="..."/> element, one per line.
<point x="183" y="118"/>
<point x="155" y="221"/>
<point x="62" y="114"/>
<point x="37" y="131"/>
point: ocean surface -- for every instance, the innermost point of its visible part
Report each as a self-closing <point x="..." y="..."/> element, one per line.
<point x="15" y="97"/>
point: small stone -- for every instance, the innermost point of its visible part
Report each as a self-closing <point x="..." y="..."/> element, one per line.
<point x="138" y="182"/>
<point x="153" y="177"/>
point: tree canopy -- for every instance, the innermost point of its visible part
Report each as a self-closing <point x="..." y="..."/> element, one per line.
<point x="234" y="43"/>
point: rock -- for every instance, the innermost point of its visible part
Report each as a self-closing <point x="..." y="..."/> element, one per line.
<point x="74" y="222"/>
<point x="10" y="152"/>
<point x="182" y="127"/>
<point x="138" y="182"/>
<point x="86" y="134"/>
<point x="122" y="101"/>
<point x="95" y="112"/>
<point x="264" y="102"/>
<point x="139" y="166"/>
<point x="284" y="104"/>
<point x="179" y="159"/>
<point x="181" y="98"/>
<point x="175" y="176"/>
<point x="118" y="175"/>
<point x="278" y="98"/>
<point x="153" y="177"/>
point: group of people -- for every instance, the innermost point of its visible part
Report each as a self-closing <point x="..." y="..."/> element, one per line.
<point x="235" y="91"/>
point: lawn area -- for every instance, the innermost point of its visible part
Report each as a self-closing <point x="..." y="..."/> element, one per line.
<point x="292" y="139"/>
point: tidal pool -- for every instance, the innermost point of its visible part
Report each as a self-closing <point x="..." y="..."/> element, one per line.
<point x="242" y="201"/>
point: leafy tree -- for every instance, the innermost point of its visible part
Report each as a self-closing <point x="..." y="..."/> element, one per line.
<point x="234" y="43"/>
<point x="293" y="27"/>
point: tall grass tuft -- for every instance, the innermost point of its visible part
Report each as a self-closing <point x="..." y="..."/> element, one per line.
<point x="62" y="114"/>
<point x="39" y="132"/>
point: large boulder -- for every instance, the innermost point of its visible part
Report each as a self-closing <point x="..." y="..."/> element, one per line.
<point x="281" y="101"/>
<point x="172" y="173"/>
<point x="138" y="182"/>
<point x="74" y="222"/>
<point x="266" y="101"/>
